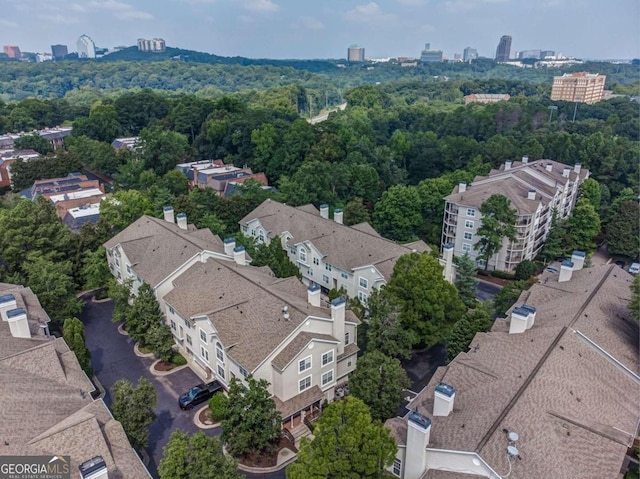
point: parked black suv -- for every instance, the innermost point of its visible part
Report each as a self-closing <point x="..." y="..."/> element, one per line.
<point x="199" y="394"/>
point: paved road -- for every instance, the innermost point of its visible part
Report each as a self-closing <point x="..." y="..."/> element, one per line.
<point x="486" y="291"/>
<point x="112" y="358"/>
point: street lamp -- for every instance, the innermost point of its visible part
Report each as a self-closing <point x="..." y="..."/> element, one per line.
<point x="551" y="109"/>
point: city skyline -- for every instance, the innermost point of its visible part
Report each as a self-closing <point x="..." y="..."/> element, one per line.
<point x="288" y="29"/>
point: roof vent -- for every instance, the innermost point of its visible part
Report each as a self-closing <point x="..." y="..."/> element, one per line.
<point x="532" y="194"/>
<point x="94" y="468"/>
<point x="512" y="451"/>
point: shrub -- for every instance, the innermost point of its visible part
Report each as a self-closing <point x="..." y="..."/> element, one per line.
<point x="178" y="359"/>
<point x="525" y="269"/>
<point x="218" y="405"/>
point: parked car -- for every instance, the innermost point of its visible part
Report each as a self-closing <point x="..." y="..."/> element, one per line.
<point x="634" y="268"/>
<point x="199" y="394"/>
<point x="551" y="270"/>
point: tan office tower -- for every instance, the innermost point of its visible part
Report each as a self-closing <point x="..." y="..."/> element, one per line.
<point x="579" y="87"/>
<point x="355" y="53"/>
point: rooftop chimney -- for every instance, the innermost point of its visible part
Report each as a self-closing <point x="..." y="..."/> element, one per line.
<point x="549" y="167"/>
<point x="519" y="320"/>
<point x="239" y="255"/>
<point x="168" y="214"/>
<point x="566" y="171"/>
<point x="577" y="167"/>
<point x="337" y="215"/>
<point x="507" y="165"/>
<point x="443" y="398"/>
<point x="313" y="295"/>
<point x="418" y="432"/>
<point x="566" y="270"/>
<point x="447" y="256"/>
<point x="94" y="468"/>
<point x="7" y="303"/>
<point x="338" y="307"/>
<point x="531" y="318"/>
<point x="229" y="246"/>
<point x="18" y="324"/>
<point x="462" y="187"/>
<point x="577" y="258"/>
<point x="525" y="159"/>
<point x="182" y="221"/>
<point x="324" y="211"/>
<point x="532" y="194"/>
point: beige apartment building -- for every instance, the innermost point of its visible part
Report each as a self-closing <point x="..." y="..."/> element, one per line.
<point x="579" y="87"/>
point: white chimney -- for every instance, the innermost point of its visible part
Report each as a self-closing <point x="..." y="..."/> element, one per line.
<point x="531" y="318"/>
<point x="182" y="221"/>
<point x="168" y="214"/>
<point x="338" y="307"/>
<point x="525" y="159"/>
<point x="229" y="246"/>
<point x="447" y="256"/>
<point x="519" y="321"/>
<point x="566" y="270"/>
<point x="577" y="258"/>
<point x="549" y="167"/>
<point x="18" y="324"/>
<point x="507" y="165"/>
<point x="313" y="295"/>
<point x="94" y="468"/>
<point x="337" y="215"/>
<point x="239" y="255"/>
<point x="462" y="187"/>
<point x="577" y="167"/>
<point x="324" y="211"/>
<point x="532" y="194"/>
<point x="566" y="171"/>
<point x="7" y="303"/>
<point x="418" y="432"/>
<point x="443" y="398"/>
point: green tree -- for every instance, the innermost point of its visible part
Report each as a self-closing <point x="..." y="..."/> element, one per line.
<point x="590" y="190"/>
<point x="432" y="192"/>
<point x="582" y="226"/>
<point x="122" y="208"/>
<point x="508" y="295"/>
<point x="525" y="269"/>
<point x="379" y="381"/>
<point x="73" y="334"/>
<point x="347" y="443"/>
<point x="252" y="422"/>
<point x="160" y="340"/>
<point x="477" y="320"/>
<point x="623" y="231"/>
<point x="134" y="408"/>
<point x="498" y="223"/>
<point x="274" y="256"/>
<point x="176" y="182"/>
<point x="95" y="269"/>
<point x="33" y="142"/>
<point x="144" y="315"/>
<point x="466" y="280"/>
<point x="161" y="150"/>
<point x="554" y="245"/>
<point x="398" y="213"/>
<point x="218" y="406"/>
<point x="94" y="154"/>
<point x="429" y="305"/>
<point x="385" y="332"/>
<point x="196" y="457"/>
<point x="101" y="125"/>
<point x="355" y="212"/>
<point x="634" y="304"/>
<point x="121" y="295"/>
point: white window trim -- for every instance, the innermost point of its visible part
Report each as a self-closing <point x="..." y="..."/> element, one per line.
<point x="224" y="374"/>
<point x="305" y="379"/>
<point x="470" y="237"/>
<point x="362" y="297"/>
<point x="310" y="358"/>
<point x="328" y="362"/>
<point x="302" y="252"/>
<point x="204" y="353"/>
<point x="471" y="212"/>
<point x="469" y="224"/>
<point x="397" y="462"/>
<point x="201" y="332"/>
<point x="347" y="337"/>
<point x="468" y="247"/>
<point x="366" y="282"/>
<point x="333" y="378"/>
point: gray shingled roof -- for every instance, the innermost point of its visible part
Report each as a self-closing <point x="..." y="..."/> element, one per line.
<point x="296" y="403"/>
<point x="574" y="409"/>
<point x="298" y="344"/>
<point x="156" y="248"/>
<point x="343" y="246"/>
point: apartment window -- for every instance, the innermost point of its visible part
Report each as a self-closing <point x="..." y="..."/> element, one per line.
<point x="187" y="323"/>
<point x="293" y="251"/>
<point x="189" y="342"/>
<point x="309" y="272"/>
<point x="204" y="353"/>
<point x="253" y="232"/>
<point x="304" y="383"/>
<point x="466" y="247"/>
<point x="347" y="338"/>
<point x="397" y="467"/>
<point x="244" y="228"/>
<point x="110" y="253"/>
<point x="362" y="297"/>
<point x="344" y="275"/>
<point x="119" y="275"/>
<point x="327" y="266"/>
<point x="243" y="371"/>
<point x="304" y="364"/>
<point x="471" y="212"/>
<point x="173" y="325"/>
<point x="129" y="268"/>
<point x="221" y="371"/>
<point x="468" y="236"/>
<point x="303" y="255"/>
<point x="468" y="224"/>
<point x="363" y="282"/>
<point x="203" y="336"/>
<point x="327" y="378"/>
<point x="111" y="266"/>
<point x="325" y="278"/>
<point x="261" y="236"/>
<point x="117" y="261"/>
<point x="327" y="358"/>
<point x="349" y="363"/>
<point x="316" y="260"/>
<point x="171" y="310"/>
<point x="219" y="352"/>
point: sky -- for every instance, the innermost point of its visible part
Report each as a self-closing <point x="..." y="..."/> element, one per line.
<point x="590" y="29"/>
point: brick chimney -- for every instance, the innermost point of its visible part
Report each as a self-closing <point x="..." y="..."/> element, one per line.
<point x="566" y="270"/>
<point x="168" y="214"/>
<point x="229" y="246"/>
<point x="337" y="215"/>
<point x="324" y="211"/>
<point x="313" y="295"/>
<point x="182" y="221"/>
<point x="443" y="397"/>
<point x="577" y="258"/>
<point x="338" y="309"/>
<point x="418" y="433"/>
<point x="239" y="255"/>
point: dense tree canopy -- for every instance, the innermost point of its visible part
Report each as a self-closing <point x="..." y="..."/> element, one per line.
<point x="134" y="407"/>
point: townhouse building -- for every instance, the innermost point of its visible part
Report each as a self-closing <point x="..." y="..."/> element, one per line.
<point x="231" y="319"/>
<point x="216" y="175"/>
<point x="535" y="189"/>
<point x="354" y="259"/>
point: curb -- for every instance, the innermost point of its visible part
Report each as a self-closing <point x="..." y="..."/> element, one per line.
<point x="94" y="300"/>
<point x="263" y="470"/>
<point x="141" y="354"/>
<point x="99" y="387"/>
<point x="165" y="373"/>
<point x="196" y="420"/>
<point x="121" y="330"/>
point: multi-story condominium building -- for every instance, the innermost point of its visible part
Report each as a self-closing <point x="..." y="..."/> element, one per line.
<point x="12" y="51"/>
<point x="430" y="56"/>
<point x="58" y="52"/>
<point x="486" y="98"/>
<point x="355" y="259"/>
<point x="469" y="54"/>
<point x="503" y="51"/>
<point x="86" y="47"/>
<point x="156" y="45"/>
<point x="232" y="319"/>
<point x="535" y="190"/>
<point x="550" y="392"/>
<point x="216" y="175"/>
<point x="355" y="53"/>
<point x="524" y="54"/>
<point x="579" y="87"/>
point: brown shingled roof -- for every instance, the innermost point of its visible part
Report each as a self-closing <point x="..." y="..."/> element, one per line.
<point x="296" y="403"/>
<point x="298" y="344"/>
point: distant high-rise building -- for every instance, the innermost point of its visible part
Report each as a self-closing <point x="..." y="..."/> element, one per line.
<point x="86" y="47"/>
<point x="355" y="53"/>
<point x="469" y="54"/>
<point x="547" y="53"/>
<point x="12" y="51"/>
<point x="580" y="87"/>
<point x="59" y="51"/>
<point x="156" y="45"/>
<point x="503" y="52"/>
<point x="524" y="54"/>
<point x="430" y="56"/>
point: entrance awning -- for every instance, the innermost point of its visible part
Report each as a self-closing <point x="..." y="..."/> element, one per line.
<point x="297" y="403"/>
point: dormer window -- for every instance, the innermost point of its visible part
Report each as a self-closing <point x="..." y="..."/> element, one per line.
<point x="303" y="255"/>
